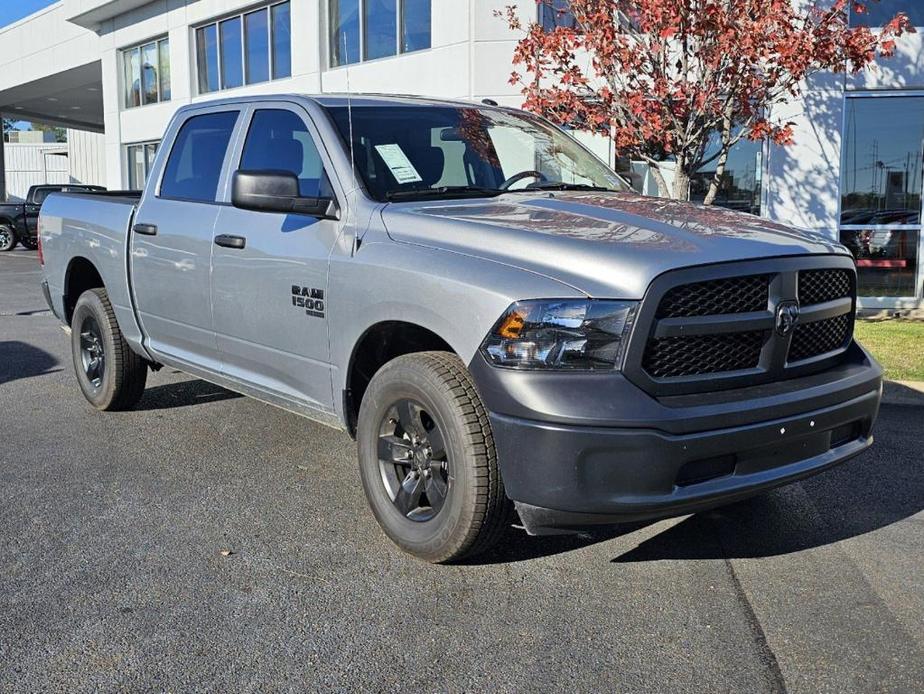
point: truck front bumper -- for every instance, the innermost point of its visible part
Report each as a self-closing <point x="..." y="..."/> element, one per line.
<point x="597" y="450"/>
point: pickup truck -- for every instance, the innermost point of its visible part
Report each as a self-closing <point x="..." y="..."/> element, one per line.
<point x="499" y="321"/>
<point x="18" y="220"/>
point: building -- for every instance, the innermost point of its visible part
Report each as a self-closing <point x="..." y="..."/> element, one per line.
<point x="120" y="68"/>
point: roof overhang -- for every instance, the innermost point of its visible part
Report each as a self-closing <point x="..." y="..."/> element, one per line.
<point x="90" y="14"/>
<point x="69" y="99"/>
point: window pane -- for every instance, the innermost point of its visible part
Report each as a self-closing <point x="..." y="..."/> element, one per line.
<point x="739" y="188"/>
<point x="344" y="32"/>
<point x="256" y="37"/>
<point x="380" y="28"/>
<point x="879" y="13"/>
<point x="207" y="52"/>
<point x="150" y="152"/>
<point x="882" y="167"/>
<point x="194" y="167"/>
<point x="149" y="73"/>
<point x="282" y="41"/>
<point x="555" y="13"/>
<point x="232" y="67"/>
<point x="135" y="167"/>
<point x="415" y="25"/>
<point x="164" y="49"/>
<point x="132" y="68"/>
<point x="887" y="260"/>
<point x="278" y="139"/>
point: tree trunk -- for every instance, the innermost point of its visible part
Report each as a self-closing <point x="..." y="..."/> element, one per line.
<point x="663" y="190"/>
<point x="717" y="178"/>
<point x="681" y="184"/>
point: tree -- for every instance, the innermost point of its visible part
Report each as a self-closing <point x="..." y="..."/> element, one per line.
<point x="663" y="78"/>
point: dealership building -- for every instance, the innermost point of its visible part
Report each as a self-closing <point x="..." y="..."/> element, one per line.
<point x="114" y="71"/>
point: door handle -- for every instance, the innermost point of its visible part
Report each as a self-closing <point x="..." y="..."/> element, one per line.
<point x="146" y="229"/>
<point x="229" y="241"/>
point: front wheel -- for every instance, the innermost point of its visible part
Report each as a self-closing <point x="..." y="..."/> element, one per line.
<point x="30" y="243"/>
<point x="427" y="459"/>
<point x="7" y="238"/>
<point x="110" y="374"/>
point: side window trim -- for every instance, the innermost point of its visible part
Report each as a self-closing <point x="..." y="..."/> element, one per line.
<point x="240" y="139"/>
<point x="157" y="175"/>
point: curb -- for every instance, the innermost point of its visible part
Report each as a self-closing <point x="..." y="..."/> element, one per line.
<point x="903" y="393"/>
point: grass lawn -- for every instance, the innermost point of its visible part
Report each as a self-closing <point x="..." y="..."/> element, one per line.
<point x="897" y="344"/>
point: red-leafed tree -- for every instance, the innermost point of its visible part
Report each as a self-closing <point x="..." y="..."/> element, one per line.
<point x="664" y="78"/>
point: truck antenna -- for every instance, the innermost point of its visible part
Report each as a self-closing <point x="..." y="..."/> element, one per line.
<point x="346" y="55"/>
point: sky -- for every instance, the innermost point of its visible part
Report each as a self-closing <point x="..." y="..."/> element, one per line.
<point x="11" y="10"/>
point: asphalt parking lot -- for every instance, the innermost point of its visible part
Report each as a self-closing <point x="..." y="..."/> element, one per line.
<point x="112" y="572"/>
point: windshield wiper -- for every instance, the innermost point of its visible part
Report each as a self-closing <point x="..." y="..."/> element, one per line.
<point x="558" y="185"/>
<point x="443" y="192"/>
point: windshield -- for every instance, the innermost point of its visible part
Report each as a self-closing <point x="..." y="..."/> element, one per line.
<point x="406" y="152"/>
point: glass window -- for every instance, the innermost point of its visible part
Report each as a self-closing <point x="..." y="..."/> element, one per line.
<point x="282" y="41"/>
<point x="879" y="13"/>
<point x="251" y="46"/>
<point x="146" y="73"/>
<point x="232" y="67"/>
<point x="556" y="13"/>
<point x="207" y="58"/>
<point x="279" y="139"/>
<point x="194" y="167"/>
<point x="140" y="162"/>
<point x="415" y="25"/>
<point x="739" y="187"/>
<point x="131" y="60"/>
<point x="256" y="30"/>
<point x="388" y="27"/>
<point x="881" y="184"/>
<point x="163" y="48"/>
<point x="344" y="32"/>
<point x="380" y="28"/>
<point x="399" y="156"/>
<point x="150" y="83"/>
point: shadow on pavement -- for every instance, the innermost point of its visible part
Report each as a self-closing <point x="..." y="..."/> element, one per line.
<point x="20" y="360"/>
<point x="882" y="486"/>
<point x="183" y="394"/>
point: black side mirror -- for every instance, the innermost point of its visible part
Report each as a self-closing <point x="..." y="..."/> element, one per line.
<point x="277" y="191"/>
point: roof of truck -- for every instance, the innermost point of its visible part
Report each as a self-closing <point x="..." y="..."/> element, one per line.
<point x="342" y="99"/>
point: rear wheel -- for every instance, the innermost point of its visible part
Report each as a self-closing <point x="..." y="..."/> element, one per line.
<point x="110" y="374"/>
<point x="427" y="459"/>
<point x="7" y="238"/>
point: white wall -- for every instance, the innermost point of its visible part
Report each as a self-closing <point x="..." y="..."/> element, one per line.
<point x="86" y="157"/>
<point x="33" y="164"/>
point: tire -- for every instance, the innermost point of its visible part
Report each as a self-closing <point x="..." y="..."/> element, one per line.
<point x="430" y="396"/>
<point x="30" y="243"/>
<point x="7" y="238"/>
<point x="117" y="381"/>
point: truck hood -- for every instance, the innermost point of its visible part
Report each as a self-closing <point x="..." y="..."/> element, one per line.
<point x="602" y="244"/>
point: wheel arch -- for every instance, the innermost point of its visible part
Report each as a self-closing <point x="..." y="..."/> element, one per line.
<point x="81" y="275"/>
<point x="376" y="346"/>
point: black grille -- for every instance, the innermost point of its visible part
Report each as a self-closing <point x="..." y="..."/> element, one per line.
<point x="821" y="337"/>
<point x="819" y="286"/>
<point x="716" y="297"/>
<point x="670" y="357"/>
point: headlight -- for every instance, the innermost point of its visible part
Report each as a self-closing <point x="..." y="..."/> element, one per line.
<point x="581" y="334"/>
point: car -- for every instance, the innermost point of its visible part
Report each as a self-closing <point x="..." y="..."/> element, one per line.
<point x="18" y="219"/>
<point x="500" y="322"/>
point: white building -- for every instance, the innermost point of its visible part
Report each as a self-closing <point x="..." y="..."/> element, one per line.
<point x="122" y="67"/>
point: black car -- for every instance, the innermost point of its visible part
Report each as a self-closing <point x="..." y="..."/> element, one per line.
<point x="18" y="219"/>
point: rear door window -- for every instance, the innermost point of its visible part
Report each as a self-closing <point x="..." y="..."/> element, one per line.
<point x="279" y="140"/>
<point x="194" y="167"/>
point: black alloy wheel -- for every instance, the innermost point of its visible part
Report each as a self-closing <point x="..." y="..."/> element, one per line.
<point x="413" y="461"/>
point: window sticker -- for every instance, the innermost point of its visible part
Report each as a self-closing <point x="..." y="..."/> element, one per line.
<point x="396" y="160"/>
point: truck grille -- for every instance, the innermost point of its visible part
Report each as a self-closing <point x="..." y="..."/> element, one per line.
<point x="717" y="297"/>
<point x="723" y="326"/>
<point x="670" y="357"/>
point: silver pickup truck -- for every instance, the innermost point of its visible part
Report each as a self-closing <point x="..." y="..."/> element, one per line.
<point x="485" y="306"/>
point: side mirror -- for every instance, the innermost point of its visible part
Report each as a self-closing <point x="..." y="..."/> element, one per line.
<point x="277" y="191"/>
